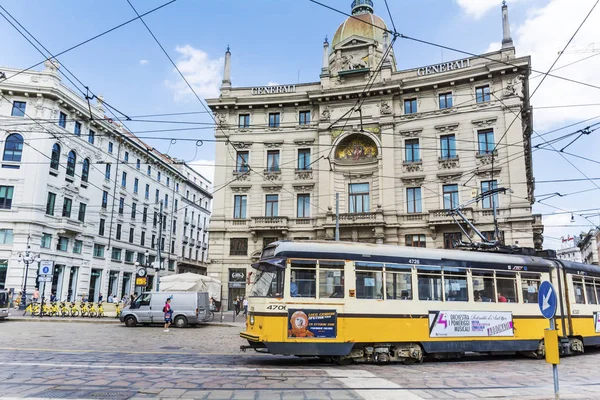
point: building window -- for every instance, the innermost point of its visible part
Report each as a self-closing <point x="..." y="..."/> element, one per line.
<point x="412" y="150"/>
<point x="482" y="93"/>
<point x="99" y="250"/>
<point x="268" y="240"/>
<point x="147" y="192"/>
<point x="149" y="170"/>
<point x="304" y="117"/>
<point x="124" y="179"/>
<point x="129" y="256"/>
<point x="13" y="148"/>
<point x="168" y="181"/>
<point x="6" y="236"/>
<point x="448" y="147"/>
<point x="131" y="234"/>
<point x="410" y="106"/>
<point x="116" y="254"/>
<point x="485" y="139"/>
<point x="67" y="204"/>
<point x="177" y="187"/>
<point x="273" y="160"/>
<point x="77" y="129"/>
<point x="145" y="215"/>
<point x="101" y="227"/>
<point x="415" y="240"/>
<point x="121" y="205"/>
<point x="244" y="121"/>
<point x="133" y="210"/>
<point x="55" y="157"/>
<point x="241" y="163"/>
<point x="62" y="119"/>
<point x="303" y="206"/>
<point x="110" y="147"/>
<point x="63" y="244"/>
<point x="6" y="197"/>
<point x="445" y="100"/>
<point x="85" y="170"/>
<point x="238" y="246"/>
<point x="50" y="203"/>
<point x="81" y="215"/>
<point x="107" y="172"/>
<point x="158" y="175"/>
<point x="451" y="240"/>
<point x="155" y="219"/>
<point x="358" y="198"/>
<point x="413" y="196"/>
<point x="138" y="163"/>
<point x="172" y="249"/>
<point x="136" y="185"/>
<point x="450" y="197"/>
<point x="153" y="242"/>
<point x="118" y="233"/>
<point x="156" y="196"/>
<point x="143" y="239"/>
<point x="176" y="205"/>
<point x="239" y="207"/>
<point x="18" y="109"/>
<point x="46" y="241"/>
<point x="91" y="136"/>
<point x="166" y="200"/>
<point x="71" y="161"/>
<point x="274" y="120"/>
<point x="77" y="246"/>
<point x="126" y="157"/>
<point x="272" y="205"/>
<point x="304" y="159"/>
<point x="489" y="201"/>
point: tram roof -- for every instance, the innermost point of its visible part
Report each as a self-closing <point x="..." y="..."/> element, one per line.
<point x="373" y="252"/>
<point x="580" y="268"/>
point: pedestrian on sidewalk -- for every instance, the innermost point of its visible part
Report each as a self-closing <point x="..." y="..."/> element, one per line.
<point x="245" y="306"/>
<point x="36" y="295"/>
<point x="168" y="312"/>
<point x="236" y="305"/>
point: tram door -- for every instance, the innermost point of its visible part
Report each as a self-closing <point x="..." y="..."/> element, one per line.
<point x="564" y="306"/>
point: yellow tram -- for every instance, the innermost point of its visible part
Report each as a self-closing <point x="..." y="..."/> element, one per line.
<point x="381" y="303"/>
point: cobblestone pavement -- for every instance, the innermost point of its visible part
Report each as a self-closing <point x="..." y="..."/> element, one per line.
<point x="102" y="361"/>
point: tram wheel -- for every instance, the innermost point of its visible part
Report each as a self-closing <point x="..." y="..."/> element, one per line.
<point x="342" y="360"/>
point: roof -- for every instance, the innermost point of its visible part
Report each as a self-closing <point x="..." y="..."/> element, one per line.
<point x="360" y="25"/>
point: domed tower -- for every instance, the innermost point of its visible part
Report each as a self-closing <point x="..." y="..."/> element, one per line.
<point x="358" y="44"/>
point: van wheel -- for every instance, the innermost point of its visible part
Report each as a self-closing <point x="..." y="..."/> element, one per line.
<point x="180" y="322"/>
<point x="130" y="321"/>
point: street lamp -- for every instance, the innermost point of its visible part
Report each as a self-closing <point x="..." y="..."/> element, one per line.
<point x="27" y="259"/>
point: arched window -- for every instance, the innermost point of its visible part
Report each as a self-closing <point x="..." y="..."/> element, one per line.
<point x="71" y="163"/>
<point x="85" y="170"/>
<point x="55" y="158"/>
<point x="13" y="149"/>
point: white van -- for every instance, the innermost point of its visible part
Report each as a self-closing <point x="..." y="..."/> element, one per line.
<point x="189" y="308"/>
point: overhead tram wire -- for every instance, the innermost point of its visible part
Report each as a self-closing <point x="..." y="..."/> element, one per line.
<point x="93" y="38"/>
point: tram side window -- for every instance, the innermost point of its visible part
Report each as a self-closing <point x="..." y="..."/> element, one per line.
<point x="304" y="278"/>
<point x="430" y="284"/>
<point x="598" y="289"/>
<point x="590" y="291"/>
<point x="331" y="279"/>
<point x="506" y="282"/>
<point x="398" y="282"/>
<point x="369" y="280"/>
<point x="455" y="284"/>
<point x="484" y="287"/>
<point x="578" y="290"/>
<point x="530" y="284"/>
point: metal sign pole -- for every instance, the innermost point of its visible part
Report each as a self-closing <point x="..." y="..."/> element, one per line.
<point x="547" y="301"/>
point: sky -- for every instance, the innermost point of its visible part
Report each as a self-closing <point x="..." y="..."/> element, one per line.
<point x="280" y="41"/>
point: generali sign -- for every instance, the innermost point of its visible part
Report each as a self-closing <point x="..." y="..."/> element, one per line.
<point x="273" y="89"/>
<point x="444" y="67"/>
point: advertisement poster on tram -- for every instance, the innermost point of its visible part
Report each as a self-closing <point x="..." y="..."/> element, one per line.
<point x="312" y="323"/>
<point x="470" y="324"/>
<point x="597" y="321"/>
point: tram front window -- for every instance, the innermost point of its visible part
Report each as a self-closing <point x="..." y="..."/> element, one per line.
<point x="268" y="284"/>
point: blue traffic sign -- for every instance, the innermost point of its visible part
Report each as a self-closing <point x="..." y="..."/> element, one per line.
<point x="45" y="270"/>
<point x="547" y="300"/>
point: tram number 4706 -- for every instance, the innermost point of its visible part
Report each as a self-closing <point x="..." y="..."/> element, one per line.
<point x="278" y="307"/>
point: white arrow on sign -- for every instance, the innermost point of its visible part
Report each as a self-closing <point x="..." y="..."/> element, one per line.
<point x="545" y="304"/>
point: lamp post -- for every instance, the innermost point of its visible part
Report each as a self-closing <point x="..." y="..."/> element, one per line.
<point x="27" y="259"/>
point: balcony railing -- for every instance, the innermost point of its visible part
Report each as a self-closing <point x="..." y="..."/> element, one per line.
<point x="269" y="222"/>
<point x="444" y="217"/>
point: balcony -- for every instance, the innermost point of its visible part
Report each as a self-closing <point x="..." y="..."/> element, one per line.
<point x="70" y="225"/>
<point x="358" y="219"/>
<point x="304" y="222"/>
<point x="303" y="174"/>
<point x="237" y="222"/>
<point x="268" y="223"/>
<point x="442" y="217"/>
<point x="414" y="219"/>
<point x="448" y="163"/>
<point x="272" y="174"/>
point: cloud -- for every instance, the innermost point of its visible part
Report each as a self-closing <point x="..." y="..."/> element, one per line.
<point x="272" y="84"/>
<point x="144" y="62"/>
<point x="494" y="46"/>
<point x="477" y="8"/>
<point x="206" y="168"/>
<point x="554" y="230"/>
<point x="201" y="71"/>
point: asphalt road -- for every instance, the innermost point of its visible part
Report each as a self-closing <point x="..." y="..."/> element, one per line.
<point x="108" y="361"/>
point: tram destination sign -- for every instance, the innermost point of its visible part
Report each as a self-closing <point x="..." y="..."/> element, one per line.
<point x="470" y="324"/>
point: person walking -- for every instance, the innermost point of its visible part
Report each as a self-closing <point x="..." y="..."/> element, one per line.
<point x="168" y="312"/>
<point x="236" y="305"/>
<point x="36" y="295"/>
<point x="245" y="306"/>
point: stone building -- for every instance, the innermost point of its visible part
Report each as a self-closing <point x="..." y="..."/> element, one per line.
<point x="85" y="194"/>
<point x="399" y="147"/>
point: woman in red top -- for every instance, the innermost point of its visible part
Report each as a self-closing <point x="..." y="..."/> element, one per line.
<point x="501" y="299"/>
<point x="168" y="314"/>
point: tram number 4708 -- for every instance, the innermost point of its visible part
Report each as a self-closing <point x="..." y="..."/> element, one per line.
<point x="278" y="307"/>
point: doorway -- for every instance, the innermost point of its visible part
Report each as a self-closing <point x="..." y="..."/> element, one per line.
<point x="95" y="280"/>
<point x="73" y="275"/>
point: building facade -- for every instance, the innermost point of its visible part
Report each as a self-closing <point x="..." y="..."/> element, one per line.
<point x="589" y="247"/>
<point x="85" y="194"/>
<point x="398" y="147"/>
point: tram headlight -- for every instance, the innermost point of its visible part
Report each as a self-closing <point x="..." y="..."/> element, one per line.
<point x="251" y="319"/>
